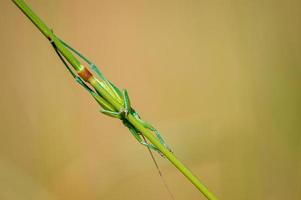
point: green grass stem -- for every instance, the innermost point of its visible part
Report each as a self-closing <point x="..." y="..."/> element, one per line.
<point x="109" y="98"/>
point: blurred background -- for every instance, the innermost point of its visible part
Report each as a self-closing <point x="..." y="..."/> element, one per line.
<point x="219" y="79"/>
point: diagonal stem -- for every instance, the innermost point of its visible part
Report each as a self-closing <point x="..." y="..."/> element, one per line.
<point x="88" y="77"/>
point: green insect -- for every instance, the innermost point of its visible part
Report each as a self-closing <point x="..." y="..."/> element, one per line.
<point x="121" y="97"/>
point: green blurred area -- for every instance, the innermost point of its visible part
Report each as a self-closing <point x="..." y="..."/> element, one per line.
<point x="221" y="80"/>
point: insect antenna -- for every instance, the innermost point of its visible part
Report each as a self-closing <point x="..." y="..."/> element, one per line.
<point x="159" y="171"/>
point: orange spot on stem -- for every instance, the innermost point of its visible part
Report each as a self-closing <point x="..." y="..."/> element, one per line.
<point x="85" y="74"/>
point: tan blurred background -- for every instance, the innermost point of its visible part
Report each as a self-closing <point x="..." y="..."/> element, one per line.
<point x="220" y="80"/>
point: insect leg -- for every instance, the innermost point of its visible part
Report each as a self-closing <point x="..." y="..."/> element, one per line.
<point x="126" y="100"/>
<point x="150" y="127"/>
<point x="138" y="137"/>
<point x="110" y="113"/>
